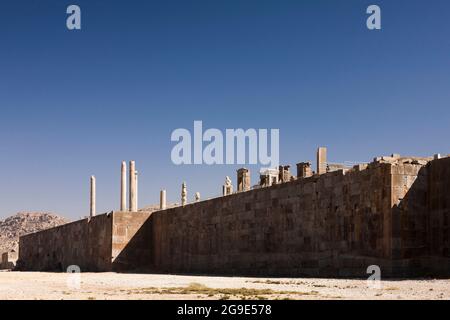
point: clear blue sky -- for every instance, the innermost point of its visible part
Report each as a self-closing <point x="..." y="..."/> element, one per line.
<point x="77" y="103"/>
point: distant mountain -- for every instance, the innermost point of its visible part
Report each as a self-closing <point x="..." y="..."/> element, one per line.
<point x="23" y="223"/>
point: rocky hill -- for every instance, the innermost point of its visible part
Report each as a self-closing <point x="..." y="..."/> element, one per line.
<point x="23" y="223"/>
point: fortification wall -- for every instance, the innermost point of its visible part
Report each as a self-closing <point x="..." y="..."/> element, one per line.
<point x="391" y="214"/>
<point x="116" y="241"/>
<point x="8" y="260"/>
<point x="328" y="225"/>
<point x="131" y="241"/>
<point x="409" y="210"/>
<point x="86" y="243"/>
<point x="438" y="203"/>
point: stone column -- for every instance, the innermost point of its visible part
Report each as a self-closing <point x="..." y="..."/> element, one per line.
<point x="321" y="160"/>
<point x="137" y="190"/>
<point x="162" y="200"/>
<point x="243" y="180"/>
<point x="123" y="187"/>
<point x="93" y="195"/>
<point x="183" y="194"/>
<point x="227" y="188"/>
<point x="284" y="174"/>
<point x="133" y="188"/>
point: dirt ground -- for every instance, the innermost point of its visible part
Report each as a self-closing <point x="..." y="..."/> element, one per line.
<point x="101" y="286"/>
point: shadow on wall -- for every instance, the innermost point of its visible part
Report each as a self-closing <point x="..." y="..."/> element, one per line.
<point x="418" y="224"/>
<point x="136" y="255"/>
<point x="420" y="220"/>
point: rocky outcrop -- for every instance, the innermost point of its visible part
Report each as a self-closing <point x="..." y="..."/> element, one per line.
<point x="24" y="223"/>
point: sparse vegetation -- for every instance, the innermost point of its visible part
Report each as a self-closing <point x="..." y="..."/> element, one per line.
<point x="391" y="289"/>
<point x="224" y="293"/>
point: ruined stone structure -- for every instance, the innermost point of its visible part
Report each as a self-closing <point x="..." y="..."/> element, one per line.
<point x="227" y="187"/>
<point x="93" y="197"/>
<point x="321" y="160"/>
<point x="9" y="259"/>
<point x="284" y="174"/>
<point x="95" y="244"/>
<point x="304" y="170"/>
<point x="243" y="180"/>
<point x="393" y="212"/>
<point x="268" y="177"/>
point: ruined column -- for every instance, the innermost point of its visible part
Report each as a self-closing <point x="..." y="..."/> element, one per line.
<point x="93" y="195"/>
<point x="304" y="170"/>
<point x="284" y="174"/>
<point x="197" y="197"/>
<point x="183" y="194"/>
<point x="137" y="190"/>
<point x="321" y="160"/>
<point x="162" y="200"/>
<point x="123" y="187"/>
<point x="133" y="187"/>
<point x="243" y="180"/>
<point x="227" y="188"/>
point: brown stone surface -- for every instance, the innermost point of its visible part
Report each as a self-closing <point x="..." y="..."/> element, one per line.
<point x="85" y="243"/>
<point x="295" y="228"/>
<point x="131" y="241"/>
<point x="115" y="241"/>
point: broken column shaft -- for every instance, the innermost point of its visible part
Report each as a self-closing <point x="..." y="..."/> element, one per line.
<point x="321" y="160"/>
<point x="133" y="187"/>
<point x="93" y="195"/>
<point x="243" y="180"/>
<point x="123" y="187"/>
<point x="183" y="194"/>
<point x="162" y="200"/>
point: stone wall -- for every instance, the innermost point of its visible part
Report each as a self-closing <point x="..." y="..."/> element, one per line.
<point x="107" y="242"/>
<point x="438" y="203"/>
<point x="8" y="260"/>
<point x="394" y="214"/>
<point x="86" y="243"/>
<point x="131" y="241"/>
<point x="332" y="224"/>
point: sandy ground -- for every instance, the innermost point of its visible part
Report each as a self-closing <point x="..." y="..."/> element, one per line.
<point x="100" y="286"/>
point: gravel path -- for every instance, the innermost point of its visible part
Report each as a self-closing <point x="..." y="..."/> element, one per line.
<point x="57" y="286"/>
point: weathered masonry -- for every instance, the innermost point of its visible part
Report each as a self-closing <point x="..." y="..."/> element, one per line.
<point x="393" y="212"/>
<point x="9" y="259"/>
